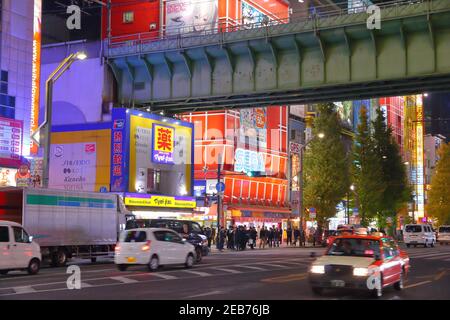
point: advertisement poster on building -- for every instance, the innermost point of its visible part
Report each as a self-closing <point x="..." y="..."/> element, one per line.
<point x="345" y="111"/>
<point x="191" y="16"/>
<point x="7" y="177"/>
<point x="36" y="170"/>
<point x="251" y="15"/>
<point x="23" y="176"/>
<point x="253" y="127"/>
<point x="73" y="166"/>
<point x="10" y="142"/>
<point x="35" y="73"/>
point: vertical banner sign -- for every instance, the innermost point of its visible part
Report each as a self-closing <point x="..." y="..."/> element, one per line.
<point x="35" y="73"/>
<point x="10" y="142"/>
<point x="118" y="151"/>
<point x="420" y="157"/>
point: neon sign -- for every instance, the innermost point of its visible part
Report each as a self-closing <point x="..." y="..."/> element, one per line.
<point x="35" y="73"/>
<point x="248" y="161"/>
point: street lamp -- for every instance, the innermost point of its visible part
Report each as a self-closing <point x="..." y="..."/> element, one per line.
<point x="43" y="133"/>
<point x="352" y="187"/>
<point x="320" y="135"/>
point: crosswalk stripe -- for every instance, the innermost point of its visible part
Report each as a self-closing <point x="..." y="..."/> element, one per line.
<point x="164" y="276"/>
<point x="274" y="265"/>
<point x="124" y="279"/>
<point x="253" y="267"/>
<point x="26" y="289"/>
<point x="438" y="257"/>
<point x="296" y="263"/>
<point x="199" y="273"/>
<point x="228" y="270"/>
<point x="430" y="255"/>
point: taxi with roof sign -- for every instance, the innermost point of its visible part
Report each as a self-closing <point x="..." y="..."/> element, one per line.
<point x="361" y="262"/>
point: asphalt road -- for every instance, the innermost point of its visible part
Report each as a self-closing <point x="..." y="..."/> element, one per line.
<point x="269" y="274"/>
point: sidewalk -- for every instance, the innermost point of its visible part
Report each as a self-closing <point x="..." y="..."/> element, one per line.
<point x="282" y="246"/>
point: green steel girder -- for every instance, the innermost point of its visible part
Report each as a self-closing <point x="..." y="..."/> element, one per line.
<point x="330" y="59"/>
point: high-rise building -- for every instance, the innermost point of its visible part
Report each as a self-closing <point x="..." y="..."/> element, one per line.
<point x="20" y="69"/>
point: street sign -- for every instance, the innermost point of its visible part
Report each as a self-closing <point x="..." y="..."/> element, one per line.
<point x="312" y="215"/>
<point x="220" y="187"/>
<point x="103" y="190"/>
<point x="355" y="212"/>
<point x="312" y="210"/>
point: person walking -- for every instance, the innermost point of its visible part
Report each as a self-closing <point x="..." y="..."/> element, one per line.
<point x="276" y="235"/>
<point x="222" y="236"/>
<point x="289" y="236"/>
<point x="262" y="238"/>
<point x="296" y="236"/>
<point x="270" y="237"/>
<point x="230" y="242"/>
<point x="302" y="237"/>
<point x="213" y="236"/>
<point x="208" y="236"/>
<point x="253" y="236"/>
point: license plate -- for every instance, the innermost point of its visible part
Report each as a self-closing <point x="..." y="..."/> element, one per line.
<point x="131" y="259"/>
<point x="337" y="283"/>
<point x="413" y="241"/>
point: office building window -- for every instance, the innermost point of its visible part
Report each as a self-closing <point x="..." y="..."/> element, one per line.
<point x="4" y="76"/>
<point x="128" y="17"/>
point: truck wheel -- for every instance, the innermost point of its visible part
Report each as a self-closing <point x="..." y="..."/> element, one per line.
<point x="34" y="266"/>
<point x="198" y="254"/>
<point x="122" y="267"/>
<point x="59" y="259"/>
<point x="3" y="272"/>
<point x="153" y="265"/>
<point x="317" y="291"/>
<point x="93" y="260"/>
<point x="408" y="245"/>
<point x="378" y="292"/>
<point x="432" y="244"/>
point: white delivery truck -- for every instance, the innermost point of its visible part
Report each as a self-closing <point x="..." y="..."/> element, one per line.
<point x="66" y="224"/>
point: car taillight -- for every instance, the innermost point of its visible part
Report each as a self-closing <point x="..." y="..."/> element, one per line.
<point x="117" y="247"/>
<point x="146" y="246"/>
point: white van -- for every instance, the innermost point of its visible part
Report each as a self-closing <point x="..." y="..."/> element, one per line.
<point x="153" y="247"/>
<point x="17" y="249"/>
<point x="443" y="235"/>
<point x="419" y="234"/>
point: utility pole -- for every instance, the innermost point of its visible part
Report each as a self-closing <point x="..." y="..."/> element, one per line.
<point x="219" y="205"/>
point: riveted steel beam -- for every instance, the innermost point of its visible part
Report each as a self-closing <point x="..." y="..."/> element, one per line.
<point x="229" y="56"/>
<point x="187" y="62"/>
<point x="130" y="70"/>
<point x="148" y="67"/>
<point x="169" y="65"/>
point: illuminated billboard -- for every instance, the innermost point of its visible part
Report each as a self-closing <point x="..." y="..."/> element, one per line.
<point x="35" y="73"/>
<point x="11" y="135"/>
<point x="163" y="144"/>
<point x="186" y="16"/>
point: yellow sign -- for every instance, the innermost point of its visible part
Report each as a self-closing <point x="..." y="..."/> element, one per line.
<point x="161" y="201"/>
<point x="163" y="136"/>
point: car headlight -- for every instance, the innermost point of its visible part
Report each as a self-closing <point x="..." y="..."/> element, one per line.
<point x="318" y="269"/>
<point x="360" y="272"/>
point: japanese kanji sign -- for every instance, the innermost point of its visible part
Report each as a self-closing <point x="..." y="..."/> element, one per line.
<point x="163" y="144"/>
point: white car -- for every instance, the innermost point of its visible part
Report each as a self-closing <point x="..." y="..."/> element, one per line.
<point x="443" y="235"/>
<point x="152" y="247"/>
<point x="419" y="234"/>
<point x="17" y="249"/>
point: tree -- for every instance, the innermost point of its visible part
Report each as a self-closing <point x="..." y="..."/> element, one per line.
<point x="367" y="171"/>
<point x="439" y="195"/>
<point x="397" y="191"/>
<point x="325" y="165"/>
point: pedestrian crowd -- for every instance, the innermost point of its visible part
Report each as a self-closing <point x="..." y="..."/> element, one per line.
<point x="241" y="237"/>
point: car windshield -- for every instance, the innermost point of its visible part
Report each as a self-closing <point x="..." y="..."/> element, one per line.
<point x="344" y="231"/>
<point x="135" y="236"/>
<point x="354" y="247"/>
<point x="413" y="229"/>
<point x="444" y="229"/>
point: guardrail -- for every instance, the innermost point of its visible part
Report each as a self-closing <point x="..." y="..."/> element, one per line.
<point x="336" y="10"/>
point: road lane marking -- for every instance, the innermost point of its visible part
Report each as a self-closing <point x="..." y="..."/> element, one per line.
<point x="417" y="284"/>
<point x="204" y="294"/>
<point x="22" y="290"/>
<point x="253" y="267"/>
<point x="86" y="285"/>
<point x="228" y="270"/>
<point x="199" y="273"/>
<point x="440" y="275"/>
<point x="124" y="279"/>
<point x="164" y="276"/>
<point x="431" y="255"/>
<point x="288" y="278"/>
